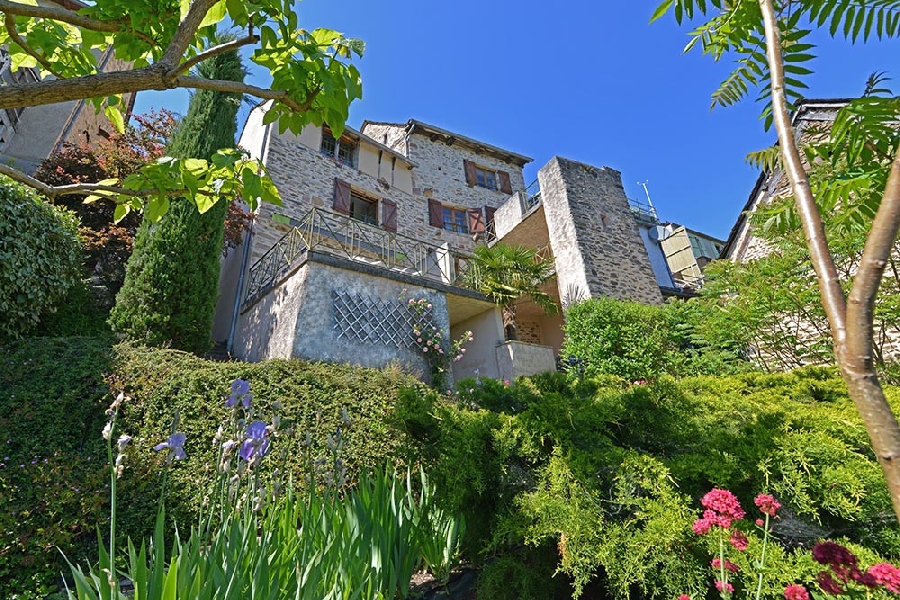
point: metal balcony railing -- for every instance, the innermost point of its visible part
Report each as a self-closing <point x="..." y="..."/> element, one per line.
<point x="339" y="235"/>
<point x="532" y="196"/>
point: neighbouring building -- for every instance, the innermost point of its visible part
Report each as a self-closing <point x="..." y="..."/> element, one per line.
<point x="29" y="135"/>
<point x="811" y="117"/>
<point x="376" y="217"/>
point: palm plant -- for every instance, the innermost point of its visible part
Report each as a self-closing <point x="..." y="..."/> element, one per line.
<point x="505" y="274"/>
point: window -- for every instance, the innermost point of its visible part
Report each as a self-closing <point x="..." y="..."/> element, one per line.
<point x="485" y="178"/>
<point x="363" y="209"/>
<point x="455" y="220"/>
<point x="360" y="206"/>
<point x="458" y="220"/>
<point x="343" y="150"/>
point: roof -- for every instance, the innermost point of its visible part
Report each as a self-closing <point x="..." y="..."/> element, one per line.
<point x="801" y="108"/>
<point x="379" y="145"/>
<point x="437" y="133"/>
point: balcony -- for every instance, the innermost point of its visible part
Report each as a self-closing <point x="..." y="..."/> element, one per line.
<point x="339" y="235"/>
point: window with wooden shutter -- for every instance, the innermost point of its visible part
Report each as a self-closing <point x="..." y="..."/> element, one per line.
<point x="476" y="220"/>
<point x="471" y="176"/>
<point x="435" y="213"/>
<point x="341" y="196"/>
<point x="389" y="215"/>
<point x="505" y="184"/>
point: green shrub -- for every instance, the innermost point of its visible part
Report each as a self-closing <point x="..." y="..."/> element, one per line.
<point x="55" y="392"/>
<point x="641" y="341"/>
<point x="40" y="258"/>
<point x="610" y="474"/>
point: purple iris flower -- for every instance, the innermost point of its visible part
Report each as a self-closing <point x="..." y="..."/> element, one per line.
<point x="257" y="442"/>
<point x="174" y="443"/>
<point x="240" y="392"/>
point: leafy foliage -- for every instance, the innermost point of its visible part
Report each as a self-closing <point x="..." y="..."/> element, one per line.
<point x="505" y="274"/>
<point x="640" y="342"/>
<point x="55" y="394"/>
<point x="312" y="80"/>
<point x="166" y="301"/>
<point x="41" y="258"/>
<point x="610" y="475"/>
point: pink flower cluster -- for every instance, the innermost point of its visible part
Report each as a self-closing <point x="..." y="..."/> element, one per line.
<point x="722" y="508"/>
<point x="844" y="569"/>
<point x="796" y="592"/>
<point x="767" y="504"/>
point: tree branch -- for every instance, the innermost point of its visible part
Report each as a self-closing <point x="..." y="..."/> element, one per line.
<point x="63" y="15"/>
<point x="221" y="85"/>
<point x="209" y="53"/>
<point x="57" y="13"/>
<point x="187" y="28"/>
<point x="10" y="22"/>
<point x="50" y="91"/>
<point x="84" y="189"/>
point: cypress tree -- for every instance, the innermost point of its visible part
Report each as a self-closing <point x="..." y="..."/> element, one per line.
<point x="172" y="278"/>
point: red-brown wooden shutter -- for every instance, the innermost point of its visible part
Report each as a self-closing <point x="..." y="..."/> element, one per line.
<point x="489" y="218"/>
<point x="341" y="196"/>
<point x="389" y="215"/>
<point x="505" y="185"/>
<point x="435" y="213"/>
<point x="476" y="220"/>
<point x="471" y="177"/>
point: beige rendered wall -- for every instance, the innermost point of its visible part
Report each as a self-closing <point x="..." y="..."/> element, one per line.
<point x="481" y="353"/>
<point x="267" y="329"/>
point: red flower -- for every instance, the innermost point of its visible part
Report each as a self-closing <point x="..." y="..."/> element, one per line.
<point x="724" y="587"/>
<point x="834" y="555"/>
<point x="828" y="584"/>
<point x="723" y="502"/>
<point x="796" y="592"/>
<point x="729" y="566"/>
<point x="684" y="597"/>
<point x="887" y="575"/>
<point x="767" y="504"/>
<point x="738" y="540"/>
<point x="701" y="526"/>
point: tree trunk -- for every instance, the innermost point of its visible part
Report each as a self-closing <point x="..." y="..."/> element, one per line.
<point x="509" y="321"/>
<point x="851" y="321"/>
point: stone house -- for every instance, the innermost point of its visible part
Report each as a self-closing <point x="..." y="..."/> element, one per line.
<point x="29" y="135"/>
<point x="390" y="213"/>
<point x="812" y="119"/>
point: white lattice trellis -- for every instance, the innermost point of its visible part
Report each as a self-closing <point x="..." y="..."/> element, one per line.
<point x="361" y="318"/>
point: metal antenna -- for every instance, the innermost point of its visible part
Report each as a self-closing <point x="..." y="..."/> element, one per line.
<point x="643" y="184"/>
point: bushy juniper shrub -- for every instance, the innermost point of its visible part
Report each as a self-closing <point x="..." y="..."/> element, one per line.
<point x="610" y="473"/>
<point x="41" y="258"/>
<point x="641" y="341"/>
<point x="55" y="392"/>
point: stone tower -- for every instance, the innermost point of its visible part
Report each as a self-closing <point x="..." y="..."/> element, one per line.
<point x="593" y="234"/>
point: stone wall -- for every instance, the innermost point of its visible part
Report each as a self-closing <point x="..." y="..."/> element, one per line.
<point x="392" y="135"/>
<point x="305" y="180"/>
<point x="518" y="359"/>
<point x="316" y="312"/>
<point x="593" y="234"/>
<point x="441" y="170"/>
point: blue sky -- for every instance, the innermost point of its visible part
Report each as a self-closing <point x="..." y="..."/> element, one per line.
<point x="591" y="81"/>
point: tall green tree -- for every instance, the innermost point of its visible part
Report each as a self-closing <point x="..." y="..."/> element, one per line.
<point x="155" y="44"/>
<point x="771" y="40"/>
<point x="506" y="274"/>
<point x="172" y="280"/>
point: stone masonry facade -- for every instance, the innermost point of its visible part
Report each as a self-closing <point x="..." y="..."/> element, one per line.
<point x="593" y="234"/>
<point x="415" y="175"/>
